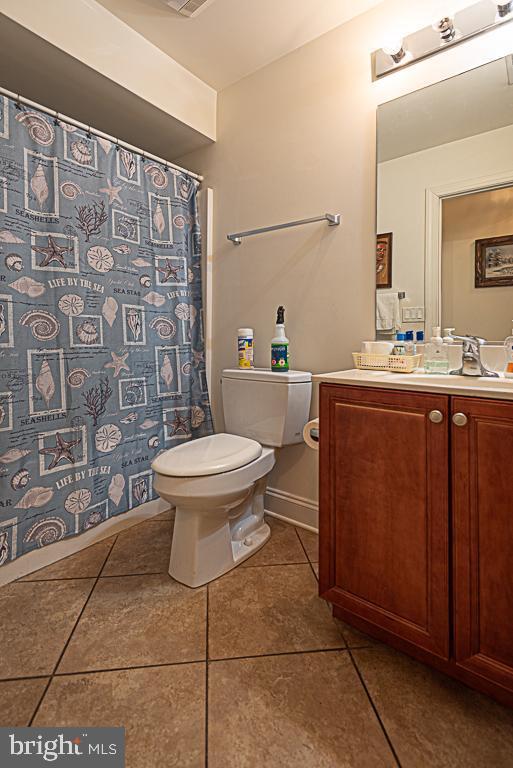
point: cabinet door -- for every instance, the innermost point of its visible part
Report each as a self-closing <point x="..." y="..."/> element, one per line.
<point x="483" y="538"/>
<point x="384" y="523"/>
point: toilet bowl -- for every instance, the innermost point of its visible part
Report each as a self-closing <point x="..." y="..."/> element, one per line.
<point x="218" y="483"/>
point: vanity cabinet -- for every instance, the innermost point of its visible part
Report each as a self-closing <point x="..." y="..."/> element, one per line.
<point x="416" y="526"/>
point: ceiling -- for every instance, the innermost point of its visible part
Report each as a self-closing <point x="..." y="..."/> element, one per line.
<point x="472" y="103"/>
<point x="230" y="39"/>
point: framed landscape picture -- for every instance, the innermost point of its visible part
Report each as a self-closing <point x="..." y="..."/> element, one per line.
<point x="494" y="262"/>
<point x="384" y="260"/>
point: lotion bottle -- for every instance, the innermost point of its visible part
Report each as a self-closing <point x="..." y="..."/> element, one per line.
<point x="436" y="355"/>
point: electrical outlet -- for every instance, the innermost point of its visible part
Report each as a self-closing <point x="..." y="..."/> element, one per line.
<point x="413" y="314"/>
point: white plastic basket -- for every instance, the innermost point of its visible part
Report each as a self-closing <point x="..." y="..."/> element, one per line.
<point x="396" y="363"/>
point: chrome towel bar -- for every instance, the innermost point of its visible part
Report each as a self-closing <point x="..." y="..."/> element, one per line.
<point x="333" y="220"/>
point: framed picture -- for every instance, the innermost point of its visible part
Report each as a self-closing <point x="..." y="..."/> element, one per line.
<point x="384" y="260"/>
<point x="494" y="262"/>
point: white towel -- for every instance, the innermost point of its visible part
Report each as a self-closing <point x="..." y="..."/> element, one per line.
<point x="388" y="315"/>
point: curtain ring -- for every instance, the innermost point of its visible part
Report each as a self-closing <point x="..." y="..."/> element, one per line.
<point x="117" y="145"/>
<point x="17" y="102"/>
<point x="88" y="134"/>
<point x="56" y="119"/>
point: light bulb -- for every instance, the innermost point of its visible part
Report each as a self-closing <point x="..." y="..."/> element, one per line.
<point x="394" y="48"/>
<point x="445" y="27"/>
<point x="503" y="8"/>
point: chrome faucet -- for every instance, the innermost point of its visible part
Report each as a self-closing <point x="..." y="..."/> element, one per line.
<point x="471" y="364"/>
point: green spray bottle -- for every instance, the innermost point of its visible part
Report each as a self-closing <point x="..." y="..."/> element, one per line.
<point x="280" y="345"/>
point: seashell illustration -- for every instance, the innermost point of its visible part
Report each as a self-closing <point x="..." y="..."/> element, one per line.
<point x="182" y="311"/>
<point x="77" y="501"/>
<point x="155" y="299"/>
<point x="140" y="263"/>
<point x="3" y="324"/>
<point x="166" y="372"/>
<point x="3" y="414"/>
<point x="179" y="221"/>
<point x="28" y="286"/>
<point x="148" y="424"/>
<point x="190" y="276"/>
<point x="133" y="320"/>
<point x="158" y="219"/>
<point x="145" y="281"/>
<point x="107" y="438"/>
<point x="165" y="328"/>
<point x="130" y="417"/>
<point x="105" y="144"/>
<point x="128" y="161"/>
<point x="20" y="479"/>
<point x="70" y="190"/>
<point x="4" y="548"/>
<point x="116" y="488"/>
<point x="100" y="258"/>
<point x="44" y="325"/>
<point x="110" y="310"/>
<point x="157" y="175"/>
<point x="77" y="377"/>
<point x="12" y="455"/>
<point x="39" y="186"/>
<point x="45" y="384"/>
<point x="123" y="248"/>
<point x="81" y="152"/>
<point x="187" y="369"/>
<point x="14" y="262"/>
<point x="7" y="237"/>
<point x="67" y="127"/>
<point x="140" y="490"/>
<point x="40" y="130"/>
<point x="134" y="394"/>
<point x="71" y="304"/>
<point x="35" y="497"/>
<point x="93" y="519"/>
<point x="153" y="442"/>
<point x="197" y="416"/>
<point x="87" y="332"/>
<point x="46" y="531"/>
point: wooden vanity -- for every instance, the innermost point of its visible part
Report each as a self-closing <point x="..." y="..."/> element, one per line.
<point x="416" y="518"/>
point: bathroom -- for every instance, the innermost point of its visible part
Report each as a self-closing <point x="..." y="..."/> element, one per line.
<point x="387" y="644"/>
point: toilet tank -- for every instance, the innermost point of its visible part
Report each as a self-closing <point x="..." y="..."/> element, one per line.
<point x="269" y="407"/>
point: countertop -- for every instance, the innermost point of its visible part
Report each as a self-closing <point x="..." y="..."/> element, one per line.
<point x="498" y="389"/>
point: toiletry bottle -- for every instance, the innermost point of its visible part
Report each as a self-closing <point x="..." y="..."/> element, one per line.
<point x="245" y="345"/>
<point x="280" y="344"/>
<point x="400" y="344"/>
<point x="411" y="349"/>
<point x="420" y="337"/>
<point x="436" y="355"/>
<point x="448" y="339"/>
<point x="508" y="346"/>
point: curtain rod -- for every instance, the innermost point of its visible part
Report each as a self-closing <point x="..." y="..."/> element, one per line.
<point x="65" y="119"/>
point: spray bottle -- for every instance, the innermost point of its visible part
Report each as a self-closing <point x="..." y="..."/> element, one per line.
<point x="280" y="345"/>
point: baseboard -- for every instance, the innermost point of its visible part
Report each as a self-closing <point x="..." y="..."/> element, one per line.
<point x="40" y="558"/>
<point x="292" y="509"/>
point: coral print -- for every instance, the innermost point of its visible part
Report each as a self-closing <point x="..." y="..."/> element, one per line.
<point x="101" y="345"/>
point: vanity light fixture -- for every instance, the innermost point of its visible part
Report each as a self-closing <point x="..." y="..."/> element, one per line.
<point x="452" y="29"/>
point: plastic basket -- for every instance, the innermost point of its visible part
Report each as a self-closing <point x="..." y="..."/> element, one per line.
<point x="396" y="363"/>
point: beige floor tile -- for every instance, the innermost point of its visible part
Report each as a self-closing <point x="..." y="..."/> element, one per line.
<point x="169" y="514"/>
<point x="36" y="620"/>
<point x="86" y="563"/>
<point x="316" y="569"/>
<point x="283" y="546"/>
<point x="306" y="710"/>
<point x="144" y="548"/>
<point x="162" y="710"/>
<point x="138" y="620"/>
<point x="433" y="721"/>
<point x="253" y="611"/>
<point x="18" y="701"/>
<point x="356" y="639"/>
<point x="310" y="542"/>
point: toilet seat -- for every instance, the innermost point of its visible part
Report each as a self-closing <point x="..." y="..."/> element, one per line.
<point x="210" y="455"/>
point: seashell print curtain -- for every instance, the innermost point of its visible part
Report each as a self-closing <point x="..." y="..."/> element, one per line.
<point x="101" y="344"/>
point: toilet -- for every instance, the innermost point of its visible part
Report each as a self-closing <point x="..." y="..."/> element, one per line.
<point x="217" y="483"/>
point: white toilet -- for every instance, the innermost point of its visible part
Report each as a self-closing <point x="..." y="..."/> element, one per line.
<point x="217" y="483"/>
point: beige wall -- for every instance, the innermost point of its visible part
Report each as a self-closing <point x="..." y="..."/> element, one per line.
<point x="482" y="311"/>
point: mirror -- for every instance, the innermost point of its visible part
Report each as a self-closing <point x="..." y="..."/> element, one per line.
<point x="444" y="251"/>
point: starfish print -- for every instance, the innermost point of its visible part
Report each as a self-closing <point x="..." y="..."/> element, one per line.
<point x="169" y="271"/>
<point x="112" y="192"/>
<point x="52" y="252"/>
<point x="178" y="425"/>
<point x="61" y="450"/>
<point x="118" y="363"/>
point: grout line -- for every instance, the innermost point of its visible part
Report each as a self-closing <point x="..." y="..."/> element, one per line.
<point x="306" y="555"/>
<point x="81" y="613"/>
<point x="337" y="649"/>
<point x="206" y="681"/>
<point x="271" y="565"/>
<point x="374" y="707"/>
<point x="78" y="578"/>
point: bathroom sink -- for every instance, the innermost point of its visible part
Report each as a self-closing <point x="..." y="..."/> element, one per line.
<point x="473" y="382"/>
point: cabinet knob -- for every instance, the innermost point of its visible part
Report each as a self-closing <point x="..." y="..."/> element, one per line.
<point x="436" y="417"/>
<point x="460" y="419"/>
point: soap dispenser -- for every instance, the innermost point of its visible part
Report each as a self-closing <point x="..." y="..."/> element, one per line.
<point x="508" y="346"/>
<point x="436" y="355"/>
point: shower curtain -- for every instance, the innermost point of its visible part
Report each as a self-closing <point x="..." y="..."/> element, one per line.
<point x="102" y="360"/>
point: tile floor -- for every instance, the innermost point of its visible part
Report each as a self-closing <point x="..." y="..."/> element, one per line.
<point x="249" y="672"/>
